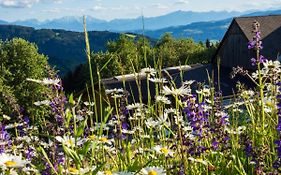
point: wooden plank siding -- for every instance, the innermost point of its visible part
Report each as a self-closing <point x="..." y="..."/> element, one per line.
<point x="233" y="50"/>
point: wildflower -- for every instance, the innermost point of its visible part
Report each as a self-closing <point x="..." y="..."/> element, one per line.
<point x="183" y="90"/>
<point x="163" y="120"/>
<point x="148" y="71"/>
<point x="114" y="91"/>
<point x="150" y="123"/>
<point x="198" y="160"/>
<point x="123" y="173"/>
<point x="11" y="161"/>
<point x="272" y="65"/>
<point x="164" y="151"/>
<point x="239" y="130"/>
<point x="69" y="141"/>
<point x="40" y="103"/>
<point x="277" y="163"/>
<point x="188" y="83"/>
<point x="162" y="99"/>
<point x="152" y="171"/>
<point x="86" y="103"/>
<point x="255" y="75"/>
<point x="170" y="110"/>
<point x="6" y="117"/>
<point x="134" y="106"/>
<point x="256" y="42"/>
<point x="4" y="138"/>
<point x="158" y="80"/>
<point x="105" y="140"/>
<point x="178" y="119"/>
<point x="73" y="170"/>
<point x="206" y="92"/>
<point x="48" y="81"/>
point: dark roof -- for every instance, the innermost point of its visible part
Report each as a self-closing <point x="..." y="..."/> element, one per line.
<point x="268" y="24"/>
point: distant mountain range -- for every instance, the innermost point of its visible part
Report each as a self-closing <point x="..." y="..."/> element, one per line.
<point x="197" y="25"/>
<point x="65" y="49"/>
<point x="200" y="31"/>
<point x="151" y="23"/>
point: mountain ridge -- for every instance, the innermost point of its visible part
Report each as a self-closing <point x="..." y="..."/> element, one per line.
<point x="200" y="31"/>
<point x="175" y="18"/>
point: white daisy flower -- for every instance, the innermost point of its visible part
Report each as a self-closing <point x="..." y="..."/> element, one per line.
<point x="198" y="160"/>
<point x="183" y="90"/>
<point x="248" y="93"/>
<point x="150" y="123"/>
<point x="6" y="117"/>
<point x="170" y="110"/>
<point x="134" y="106"/>
<point x="206" y="92"/>
<point x="40" y="103"/>
<point x="152" y="171"/>
<point x="111" y="173"/>
<point x="48" y="81"/>
<point x="188" y="83"/>
<point x="148" y="71"/>
<point x="104" y="173"/>
<point x="158" y="80"/>
<point x="105" y="140"/>
<point x="11" y="161"/>
<point x="13" y="125"/>
<point x="163" y="151"/>
<point x="86" y="103"/>
<point x="73" y="170"/>
<point x="178" y="119"/>
<point x="269" y="64"/>
<point x="162" y="99"/>
<point x="69" y="141"/>
<point x="163" y="120"/>
<point x="114" y="91"/>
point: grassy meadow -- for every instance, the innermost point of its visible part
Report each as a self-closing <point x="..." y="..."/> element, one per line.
<point x="175" y="132"/>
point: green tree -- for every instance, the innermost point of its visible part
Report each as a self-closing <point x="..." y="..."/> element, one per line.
<point x="20" y="60"/>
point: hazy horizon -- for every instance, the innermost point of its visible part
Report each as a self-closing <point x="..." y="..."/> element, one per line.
<point x="13" y="10"/>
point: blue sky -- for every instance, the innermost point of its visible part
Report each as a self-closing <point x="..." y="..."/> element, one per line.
<point x="11" y="10"/>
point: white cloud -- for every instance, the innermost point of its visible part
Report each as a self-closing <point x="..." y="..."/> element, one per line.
<point x="98" y="7"/>
<point x="159" y="6"/>
<point x="181" y="2"/>
<point x="23" y="3"/>
<point x="68" y="10"/>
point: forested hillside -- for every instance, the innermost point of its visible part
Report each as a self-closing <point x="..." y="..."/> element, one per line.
<point x="65" y="49"/>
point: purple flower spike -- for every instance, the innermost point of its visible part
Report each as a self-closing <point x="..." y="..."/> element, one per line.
<point x="253" y="61"/>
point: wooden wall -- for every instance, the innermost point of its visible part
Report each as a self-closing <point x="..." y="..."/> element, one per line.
<point x="234" y="49"/>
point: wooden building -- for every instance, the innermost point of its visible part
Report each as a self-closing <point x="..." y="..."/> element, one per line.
<point x="233" y="50"/>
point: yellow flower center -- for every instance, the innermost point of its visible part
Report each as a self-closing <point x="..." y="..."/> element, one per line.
<point x="70" y="142"/>
<point x="164" y="151"/>
<point x="103" y="139"/>
<point x="10" y="163"/>
<point x="107" y="173"/>
<point x="152" y="172"/>
<point x="92" y="137"/>
<point x="73" y="170"/>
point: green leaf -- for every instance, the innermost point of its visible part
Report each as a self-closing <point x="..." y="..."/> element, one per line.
<point x="98" y="168"/>
<point x="47" y="158"/>
<point x="71" y="153"/>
